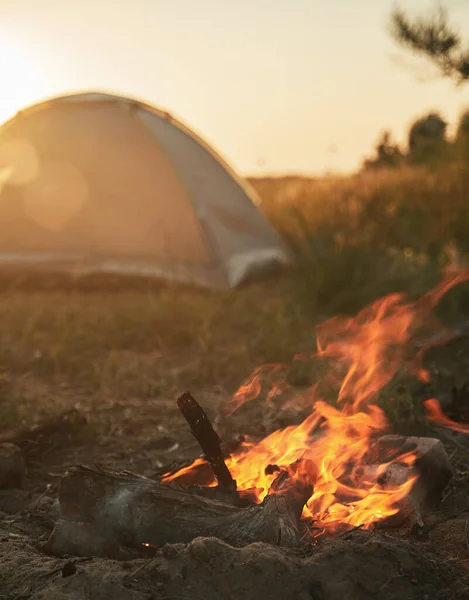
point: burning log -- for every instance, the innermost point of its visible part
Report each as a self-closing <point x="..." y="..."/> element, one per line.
<point x="207" y="437"/>
<point x="129" y="510"/>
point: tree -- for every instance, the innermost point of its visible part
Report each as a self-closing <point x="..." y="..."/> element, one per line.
<point x="434" y="37"/>
<point x="387" y="154"/>
<point x="427" y="138"/>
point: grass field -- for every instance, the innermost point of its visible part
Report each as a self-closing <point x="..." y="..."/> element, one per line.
<point x="355" y="238"/>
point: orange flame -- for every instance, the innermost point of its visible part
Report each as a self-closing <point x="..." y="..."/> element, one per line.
<point x="435" y="414"/>
<point x="369" y="350"/>
<point x="252" y="387"/>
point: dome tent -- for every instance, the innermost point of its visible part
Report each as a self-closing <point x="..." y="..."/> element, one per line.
<point x="93" y="183"/>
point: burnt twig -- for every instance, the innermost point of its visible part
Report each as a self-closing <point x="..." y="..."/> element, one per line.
<point x="207" y="438"/>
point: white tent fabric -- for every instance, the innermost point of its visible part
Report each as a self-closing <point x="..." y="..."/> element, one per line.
<point x="98" y="183"/>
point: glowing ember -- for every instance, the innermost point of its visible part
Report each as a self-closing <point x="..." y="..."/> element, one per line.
<point x="368" y="350"/>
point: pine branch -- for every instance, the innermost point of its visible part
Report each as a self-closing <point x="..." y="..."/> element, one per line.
<point x="433" y="37"/>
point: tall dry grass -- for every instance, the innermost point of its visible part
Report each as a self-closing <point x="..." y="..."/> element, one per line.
<point x="359" y="237"/>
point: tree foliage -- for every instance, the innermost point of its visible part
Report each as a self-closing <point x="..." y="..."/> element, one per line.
<point x="434" y="37"/>
<point x="387" y="153"/>
<point x="427" y="144"/>
<point x="427" y="138"/>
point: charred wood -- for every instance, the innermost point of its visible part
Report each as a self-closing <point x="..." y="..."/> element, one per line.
<point x="131" y="511"/>
<point x="207" y="438"/>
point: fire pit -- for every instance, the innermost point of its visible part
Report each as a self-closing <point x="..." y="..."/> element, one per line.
<point x="102" y="512"/>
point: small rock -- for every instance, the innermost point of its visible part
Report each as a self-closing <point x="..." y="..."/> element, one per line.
<point x="432" y="470"/>
<point x="199" y="551"/>
<point x="432" y="465"/>
<point x="12" y="466"/>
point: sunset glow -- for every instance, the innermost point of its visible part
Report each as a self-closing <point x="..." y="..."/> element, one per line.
<point x="21" y="80"/>
<point x="273" y="89"/>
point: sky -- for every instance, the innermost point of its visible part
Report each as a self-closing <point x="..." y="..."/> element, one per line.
<point x="276" y="86"/>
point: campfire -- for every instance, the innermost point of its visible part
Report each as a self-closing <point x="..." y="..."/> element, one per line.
<point x="340" y="469"/>
<point x="327" y="494"/>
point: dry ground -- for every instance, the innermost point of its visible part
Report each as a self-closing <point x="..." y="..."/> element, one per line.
<point x="120" y="359"/>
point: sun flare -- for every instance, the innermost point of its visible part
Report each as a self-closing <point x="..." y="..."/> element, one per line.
<point x="21" y="79"/>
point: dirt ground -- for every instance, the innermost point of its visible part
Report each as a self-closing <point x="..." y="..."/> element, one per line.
<point x="148" y="437"/>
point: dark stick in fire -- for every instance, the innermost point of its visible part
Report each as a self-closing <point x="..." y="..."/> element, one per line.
<point x="207" y="437"/>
